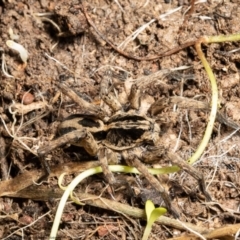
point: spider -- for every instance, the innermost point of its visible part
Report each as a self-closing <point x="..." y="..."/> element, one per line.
<point x="128" y="134"/>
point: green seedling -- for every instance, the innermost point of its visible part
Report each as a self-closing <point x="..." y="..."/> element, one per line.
<point x="152" y="214"/>
<point x="214" y="101"/>
<point x="69" y="189"/>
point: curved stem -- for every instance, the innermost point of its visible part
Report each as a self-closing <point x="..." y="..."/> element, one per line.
<point x="214" y="104"/>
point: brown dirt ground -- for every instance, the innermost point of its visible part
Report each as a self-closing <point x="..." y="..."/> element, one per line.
<point x="82" y="58"/>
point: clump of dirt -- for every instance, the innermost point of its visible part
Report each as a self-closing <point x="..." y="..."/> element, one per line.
<point x="66" y="45"/>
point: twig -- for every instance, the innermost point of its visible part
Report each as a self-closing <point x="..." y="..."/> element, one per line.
<point x="42" y="193"/>
<point x="191" y="230"/>
<point x="130" y="56"/>
<point x="3" y="160"/>
<point x="29" y="225"/>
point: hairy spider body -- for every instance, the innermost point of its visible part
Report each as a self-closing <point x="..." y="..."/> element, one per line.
<point x="120" y="132"/>
<point x="121" y="135"/>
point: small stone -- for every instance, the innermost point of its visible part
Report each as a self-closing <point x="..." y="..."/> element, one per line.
<point x="27" y="98"/>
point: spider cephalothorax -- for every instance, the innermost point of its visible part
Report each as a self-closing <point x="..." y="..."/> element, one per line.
<point x="120" y="132"/>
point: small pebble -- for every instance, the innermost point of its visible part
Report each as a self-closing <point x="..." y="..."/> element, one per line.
<point x="27" y="98"/>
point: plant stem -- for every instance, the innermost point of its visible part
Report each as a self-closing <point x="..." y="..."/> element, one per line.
<point x="214" y="104"/>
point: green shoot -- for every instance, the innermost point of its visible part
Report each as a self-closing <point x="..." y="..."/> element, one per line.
<point x="69" y="189"/>
<point x="152" y="215"/>
<point x="214" y="103"/>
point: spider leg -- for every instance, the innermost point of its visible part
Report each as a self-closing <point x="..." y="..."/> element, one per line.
<point x="134" y="161"/>
<point x="112" y="101"/>
<point x="88" y="143"/>
<point x="153" y="154"/>
<point x="177" y="160"/>
<point x="108" y="97"/>
<point x="80" y="137"/>
<point x="134" y="97"/>
<point x="104" y="156"/>
<point x="86" y="106"/>
<point x="44" y="150"/>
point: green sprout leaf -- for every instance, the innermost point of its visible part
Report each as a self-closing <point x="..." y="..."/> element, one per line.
<point x="149" y="207"/>
<point x="68" y="191"/>
<point x="152" y="215"/>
